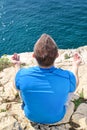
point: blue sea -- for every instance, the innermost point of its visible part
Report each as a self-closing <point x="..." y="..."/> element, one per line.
<point x="23" y="21"/>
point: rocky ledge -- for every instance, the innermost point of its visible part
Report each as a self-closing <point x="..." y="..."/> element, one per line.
<point x="11" y="115"/>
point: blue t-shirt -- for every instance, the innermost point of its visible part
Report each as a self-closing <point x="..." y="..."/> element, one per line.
<point x="45" y="92"/>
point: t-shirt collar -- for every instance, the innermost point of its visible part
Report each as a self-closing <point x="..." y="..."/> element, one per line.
<point x="50" y="69"/>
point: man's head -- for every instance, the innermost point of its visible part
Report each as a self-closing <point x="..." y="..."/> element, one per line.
<point x="45" y="51"/>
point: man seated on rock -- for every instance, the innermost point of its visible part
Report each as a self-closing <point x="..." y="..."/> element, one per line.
<point x="44" y="89"/>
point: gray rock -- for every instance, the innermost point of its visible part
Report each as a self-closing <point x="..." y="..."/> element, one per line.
<point x="11" y="115"/>
<point x="80" y="116"/>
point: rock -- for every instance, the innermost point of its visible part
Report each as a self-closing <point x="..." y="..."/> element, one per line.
<point x="6" y="122"/>
<point x="7" y="84"/>
<point x="11" y="114"/>
<point x="83" y="53"/>
<point x="80" y="116"/>
<point x="7" y="75"/>
<point x="82" y="88"/>
<point x="64" y="127"/>
<point x="13" y="117"/>
<point x="9" y="92"/>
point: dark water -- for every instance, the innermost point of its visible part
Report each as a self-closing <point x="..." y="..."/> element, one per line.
<point x="23" y="21"/>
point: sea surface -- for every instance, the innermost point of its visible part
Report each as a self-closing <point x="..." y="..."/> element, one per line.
<point x="23" y="21"/>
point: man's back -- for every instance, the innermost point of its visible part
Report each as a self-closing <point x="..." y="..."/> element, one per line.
<point x="45" y="92"/>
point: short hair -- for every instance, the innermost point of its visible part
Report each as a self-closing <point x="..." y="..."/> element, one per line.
<point x="45" y="50"/>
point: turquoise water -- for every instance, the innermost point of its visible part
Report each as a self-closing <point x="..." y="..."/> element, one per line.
<point x="23" y="21"/>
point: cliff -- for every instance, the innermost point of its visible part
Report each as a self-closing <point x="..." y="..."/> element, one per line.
<point x="11" y="115"/>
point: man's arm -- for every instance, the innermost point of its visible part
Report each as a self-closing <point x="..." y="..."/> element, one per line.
<point x="75" y="66"/>
<point x="16" y="62"/>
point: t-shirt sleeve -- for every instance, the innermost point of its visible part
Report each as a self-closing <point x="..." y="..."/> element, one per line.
<point x="17" y="80"/>
<point x="72" y="81"/>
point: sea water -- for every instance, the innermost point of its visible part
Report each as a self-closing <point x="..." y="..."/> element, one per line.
<point x="23" y="21"/>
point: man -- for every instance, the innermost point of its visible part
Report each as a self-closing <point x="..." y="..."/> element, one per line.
<point x="44" y="88"/>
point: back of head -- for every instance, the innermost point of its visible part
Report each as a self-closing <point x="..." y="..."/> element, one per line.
<point x="45" y="50"/>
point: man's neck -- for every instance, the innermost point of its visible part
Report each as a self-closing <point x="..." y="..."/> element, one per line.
<point x="46" y="67"/>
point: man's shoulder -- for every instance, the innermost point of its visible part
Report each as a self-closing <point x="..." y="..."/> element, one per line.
<point x="29" y="70"/>
<point x="61" y="72"/>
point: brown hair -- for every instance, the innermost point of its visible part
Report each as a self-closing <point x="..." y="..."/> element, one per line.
<point x="45" y="50"/>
